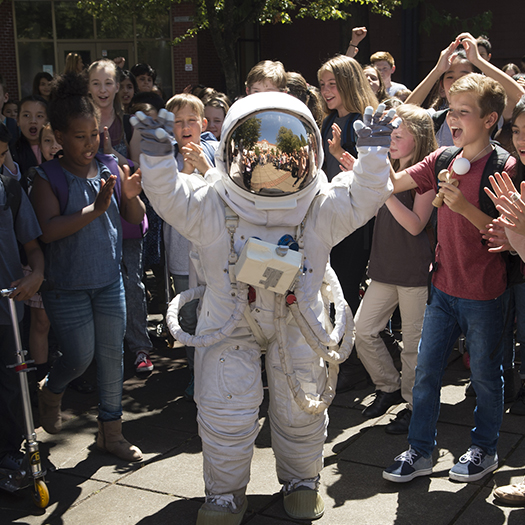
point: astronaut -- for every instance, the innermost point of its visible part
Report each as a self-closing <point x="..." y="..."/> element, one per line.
<point x="261" y="246"/>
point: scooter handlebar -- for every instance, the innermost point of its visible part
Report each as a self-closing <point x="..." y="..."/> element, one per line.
<point x="44" y="287"/>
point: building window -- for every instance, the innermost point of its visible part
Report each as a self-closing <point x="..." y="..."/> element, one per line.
<point x="72" y="23"/>
<point x="47" y="30"/>
<point x="34" y="20"/>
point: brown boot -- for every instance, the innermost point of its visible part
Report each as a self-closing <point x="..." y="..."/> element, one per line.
<point x="49" y="408"/>
<point x="111" y="440"/>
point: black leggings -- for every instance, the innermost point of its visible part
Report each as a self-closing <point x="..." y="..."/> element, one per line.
<point x="349" y="260"/>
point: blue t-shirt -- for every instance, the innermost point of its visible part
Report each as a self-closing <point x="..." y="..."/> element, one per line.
<point x="23" y="230"/>
<point x="90" y="258"/>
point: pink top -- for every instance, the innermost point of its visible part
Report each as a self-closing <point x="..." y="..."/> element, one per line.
<point x="37" y="152"/>
<point x="466" y="269"/>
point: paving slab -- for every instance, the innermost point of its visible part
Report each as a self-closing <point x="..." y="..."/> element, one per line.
<point x="178" y="472"/>
<point x="87" y="486"/>
<point x="64" y="491"/>
<point x="129" y="506"/>
<point x="483" y="510"/>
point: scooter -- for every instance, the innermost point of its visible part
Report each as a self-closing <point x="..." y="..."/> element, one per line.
<point x="31" y="469"/>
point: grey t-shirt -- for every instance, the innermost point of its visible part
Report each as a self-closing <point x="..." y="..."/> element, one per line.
<point x="394" y="88"/>
<point x="397" y="257"/>
<point x="23" y="230"/>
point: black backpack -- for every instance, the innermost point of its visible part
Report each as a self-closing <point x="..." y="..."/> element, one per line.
<point x="13" y="192"/>
<point x="495" y="164"/>
<point x="438" y="118"/>
<point x="13" y="199"/>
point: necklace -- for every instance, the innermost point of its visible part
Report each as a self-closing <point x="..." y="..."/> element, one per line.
<point x="462" y="165"/>
<point x="487" y="146"/>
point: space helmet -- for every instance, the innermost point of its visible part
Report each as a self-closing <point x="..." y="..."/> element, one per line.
<point x="270" y="148"/>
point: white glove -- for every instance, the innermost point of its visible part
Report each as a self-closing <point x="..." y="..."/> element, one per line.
<point x="156" y="135"/>
<point x="374" y="129"/>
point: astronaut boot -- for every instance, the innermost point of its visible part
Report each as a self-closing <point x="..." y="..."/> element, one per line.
<point x="302" y="500"/>
<point x="223" y="509"/>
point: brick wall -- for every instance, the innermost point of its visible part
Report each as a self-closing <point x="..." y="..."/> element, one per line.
<point x="7" y="49"/>
<point x="210" y="70"/>
<point x="187" y="49"/>
<point x="306" y="44"/>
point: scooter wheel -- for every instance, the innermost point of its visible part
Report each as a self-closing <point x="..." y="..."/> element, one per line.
<point x="41" y="494"/>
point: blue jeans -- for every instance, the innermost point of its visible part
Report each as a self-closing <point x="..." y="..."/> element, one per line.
<point x="90" y="323"/>
<point x="515" y="298"/>
<point x="446" y="317"/>
<point x="137" y="336"/>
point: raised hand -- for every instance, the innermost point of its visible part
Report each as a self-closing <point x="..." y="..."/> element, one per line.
<point x="334" y="144"/>
<point x="443" y="63"/>
<point x="496" y="237"/>
<point x="358" y="33"/>
<point x="107" y="146"/>
<point x="347" y="162"/>
<point x="470" y="46"/>
<point x="131" y="184"/>
<point x="103" y="199"/>
<point x="156" y="135"/>
<point x="508" y="201"/>
<point x="194" y="156"/>
<point x="374" y="129"/>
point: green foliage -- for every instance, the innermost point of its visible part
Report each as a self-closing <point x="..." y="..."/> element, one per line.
<point x="116" y="8"/>
<point x="443" y="21"/>
<point x="34" y="20"/>
<point x="248" y="133"/>
<point x="288" y="142"/>
<point x="285" y="11"/>
<point x="232" y="14"/>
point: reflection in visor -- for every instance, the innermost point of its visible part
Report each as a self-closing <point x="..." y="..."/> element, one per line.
<point x="272" y="153"/>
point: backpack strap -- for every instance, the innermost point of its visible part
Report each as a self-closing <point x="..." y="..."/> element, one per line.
<point x="58" y="181"/>
<point x="442" y="162"/>
<point x="13" y="195"/>
<point x="496" y="164"/>
<point x="445" y="158"/>
<point x="438" y="118"/>
<point x="348" y="139"/>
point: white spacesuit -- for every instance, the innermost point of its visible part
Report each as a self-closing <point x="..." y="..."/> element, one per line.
<point x="244" y="199"/>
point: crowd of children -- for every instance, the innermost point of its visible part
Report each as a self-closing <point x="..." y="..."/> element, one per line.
<point x="72" y="148"/>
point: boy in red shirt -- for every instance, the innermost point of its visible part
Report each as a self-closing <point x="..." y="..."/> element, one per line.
<point x="466" y="291"/>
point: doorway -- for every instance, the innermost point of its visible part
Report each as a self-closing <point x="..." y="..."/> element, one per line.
<point x="90" y="52"/>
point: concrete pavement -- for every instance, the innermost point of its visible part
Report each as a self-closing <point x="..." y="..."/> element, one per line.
<point x="89" y="487"/>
